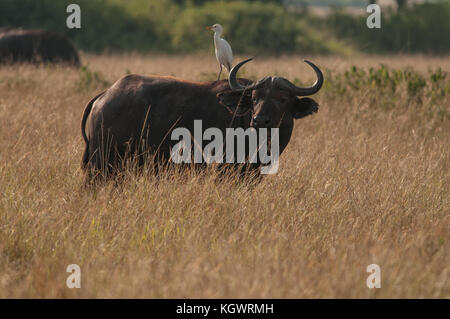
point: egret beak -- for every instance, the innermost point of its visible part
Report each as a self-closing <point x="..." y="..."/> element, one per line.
<point x="209" y="28"/>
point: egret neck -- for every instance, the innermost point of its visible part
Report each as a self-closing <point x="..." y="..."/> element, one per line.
<point x="217" y="34"/>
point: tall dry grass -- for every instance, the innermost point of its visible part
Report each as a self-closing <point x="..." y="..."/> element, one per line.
<point x="358" y="184"/>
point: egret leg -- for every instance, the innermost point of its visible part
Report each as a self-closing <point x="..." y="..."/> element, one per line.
<point x="218" y="78"/>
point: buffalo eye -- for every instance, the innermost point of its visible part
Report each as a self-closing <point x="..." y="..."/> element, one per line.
<point x="284" y="99"/>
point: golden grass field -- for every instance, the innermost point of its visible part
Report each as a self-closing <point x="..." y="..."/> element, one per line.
<point x="357" y="185"/>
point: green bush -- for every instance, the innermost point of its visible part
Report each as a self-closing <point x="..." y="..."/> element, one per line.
<point x="249" y="27"/>
<point x="90" y="80"/>
<point x="105" y="23"/>
<point x="386" y="82"/>
<point x="252" y="27"/>
<point x="142" y="25"/>
<point x="420" y="28"/>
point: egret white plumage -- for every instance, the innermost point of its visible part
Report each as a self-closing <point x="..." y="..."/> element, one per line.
<point x="224" y="54"/>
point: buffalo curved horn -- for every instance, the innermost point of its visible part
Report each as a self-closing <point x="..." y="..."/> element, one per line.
<point x="288" y="86"/>
<point x="234" y="84"/>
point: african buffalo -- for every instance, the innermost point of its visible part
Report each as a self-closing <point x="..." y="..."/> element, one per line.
<point x="36" y="46"/>
<point x="138" y="113"/>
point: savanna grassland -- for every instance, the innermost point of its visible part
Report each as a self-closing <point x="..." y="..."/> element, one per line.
<point x="363" y="181"/>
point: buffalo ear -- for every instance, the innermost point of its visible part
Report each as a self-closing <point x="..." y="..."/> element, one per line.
<point x="304" y="107"/>
<point x="231" y="99"/>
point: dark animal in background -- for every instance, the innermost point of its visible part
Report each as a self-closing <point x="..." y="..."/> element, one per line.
<point x="146" y="109"/>
<point x="36" y="46"/>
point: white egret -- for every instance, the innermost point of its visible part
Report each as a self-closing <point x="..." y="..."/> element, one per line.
<point x="224" y="54"/>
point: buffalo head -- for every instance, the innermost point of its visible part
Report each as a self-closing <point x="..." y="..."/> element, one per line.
<point x="275" y="100"/>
